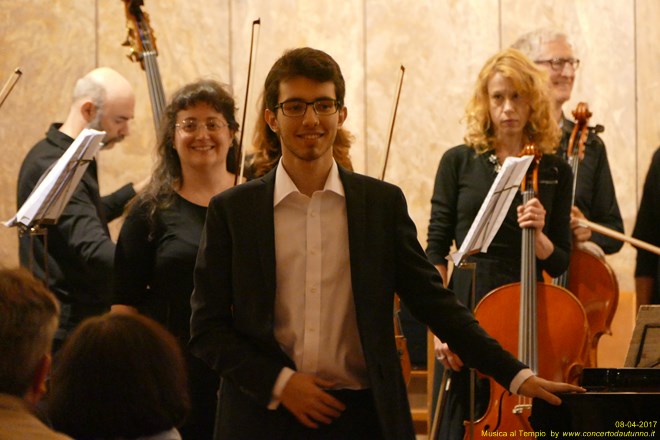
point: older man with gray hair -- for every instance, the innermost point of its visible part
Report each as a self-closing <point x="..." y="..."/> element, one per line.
<point x="79" y="250"/>
<point x="595" y="198"/>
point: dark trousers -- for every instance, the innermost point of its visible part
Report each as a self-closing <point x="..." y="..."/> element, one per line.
<point x="457" y="409"/>
<point x="357" y="422"/>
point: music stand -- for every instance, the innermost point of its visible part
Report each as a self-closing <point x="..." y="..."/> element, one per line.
<point x="50" y="196"/>
<point x="494" y="208"/>
<point x="644" y="349"/>
<point x="481" y="233"/>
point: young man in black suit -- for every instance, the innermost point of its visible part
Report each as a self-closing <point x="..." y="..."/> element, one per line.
<point x="295" y="281"/>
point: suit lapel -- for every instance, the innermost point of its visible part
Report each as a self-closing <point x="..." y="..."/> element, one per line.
<point x="265" y="231"/>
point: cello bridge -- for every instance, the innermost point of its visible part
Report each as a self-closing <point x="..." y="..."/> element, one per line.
<point x="518" y="409"/>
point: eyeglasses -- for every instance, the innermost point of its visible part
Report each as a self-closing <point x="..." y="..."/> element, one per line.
<point x="557" y="64"/>
<point x="192" y="125"/>
<point x="297" y="108"/>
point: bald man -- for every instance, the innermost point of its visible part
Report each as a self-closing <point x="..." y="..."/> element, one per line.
<point x="80" y="251"/>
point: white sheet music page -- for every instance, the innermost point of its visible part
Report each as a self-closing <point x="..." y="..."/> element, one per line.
<point x="54" y="190"/>
<point x="494" y="208"/>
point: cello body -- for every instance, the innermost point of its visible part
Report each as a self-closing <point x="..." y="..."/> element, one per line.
<point x="562" y="343"/>
<point x="544" y="324"/>
<point x="588" y="276"/>
<point x="594" y="283"/>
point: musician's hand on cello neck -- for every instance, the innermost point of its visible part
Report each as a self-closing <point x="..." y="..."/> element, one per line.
<point x="538" y="387"/>
<point x="532" y="215"/>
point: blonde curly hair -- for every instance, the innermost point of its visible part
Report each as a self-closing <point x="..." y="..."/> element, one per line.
<point x="531" y="82"/>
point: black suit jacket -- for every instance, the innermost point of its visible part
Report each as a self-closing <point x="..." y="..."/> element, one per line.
<point x="233" y="301"/>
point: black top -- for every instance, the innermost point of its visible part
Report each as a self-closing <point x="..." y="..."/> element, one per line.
<point x="647" y="227"/>
<point x="80" y="251"/>
<point x="154" y="265"/>
<point x="594" y="194"/>
<point x="461" y="185"/>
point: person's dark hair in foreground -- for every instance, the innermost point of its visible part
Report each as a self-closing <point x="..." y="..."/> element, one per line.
<point x="119" y="376"/>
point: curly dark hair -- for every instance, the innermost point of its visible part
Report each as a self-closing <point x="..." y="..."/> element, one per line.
<point x="167" y="174"/>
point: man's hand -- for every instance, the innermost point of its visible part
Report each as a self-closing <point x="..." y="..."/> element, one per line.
<point x="535" y="386"/>
<point x="303" y="395"/>
<point x="449" y="359"/>
<point x="579" y="233"/>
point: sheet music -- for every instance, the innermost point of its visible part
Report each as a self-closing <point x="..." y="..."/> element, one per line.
<point x="52" y="193"/>
<point x="494" y="208"/>
<point x="644" y="349"/>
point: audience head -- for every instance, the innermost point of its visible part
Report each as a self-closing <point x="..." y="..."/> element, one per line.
<point x="530" y="84"/>
<point x="28" y="320"/>
<point x="103" y="100"/>
<point x="551" y="50"/>
<point x="311" y="64"/>
<point x="118" y="376"/>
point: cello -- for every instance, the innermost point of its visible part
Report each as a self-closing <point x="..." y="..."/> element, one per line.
<point x="588" y="276"/>
<point x="549" y="334"/>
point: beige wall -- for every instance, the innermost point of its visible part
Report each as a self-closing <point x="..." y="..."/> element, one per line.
<point x="442" y="44"/>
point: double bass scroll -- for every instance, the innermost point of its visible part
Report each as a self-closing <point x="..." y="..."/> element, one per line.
<point x="142" y="42"/>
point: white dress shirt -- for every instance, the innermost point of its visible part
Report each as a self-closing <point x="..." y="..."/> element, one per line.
<point x="315" y="321"/>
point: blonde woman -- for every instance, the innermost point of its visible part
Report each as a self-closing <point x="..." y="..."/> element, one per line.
<point x="508" y="109"/>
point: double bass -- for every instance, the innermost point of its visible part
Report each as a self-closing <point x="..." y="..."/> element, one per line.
<point x="589" y="277"/>
<point x="547" y="329"/>
<point x="141" y="40"/>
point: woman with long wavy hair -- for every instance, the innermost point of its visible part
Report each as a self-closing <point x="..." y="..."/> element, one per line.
<point x="509" y="108"/>
<point x="158" y="242"/>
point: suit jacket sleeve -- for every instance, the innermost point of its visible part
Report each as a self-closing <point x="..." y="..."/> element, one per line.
<point x="228" y="328"/>
<point x="420" y="287"/>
